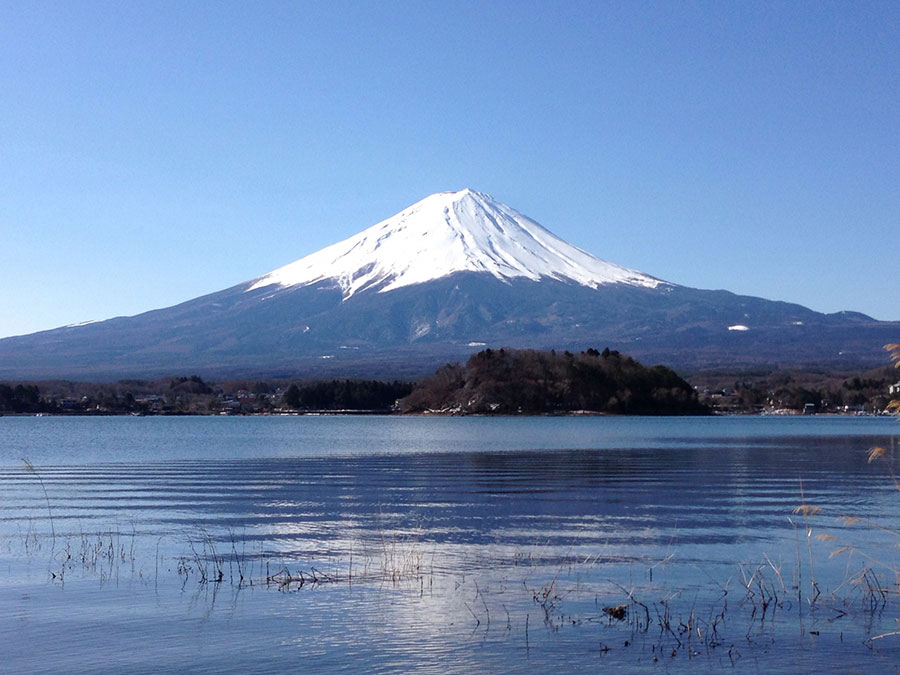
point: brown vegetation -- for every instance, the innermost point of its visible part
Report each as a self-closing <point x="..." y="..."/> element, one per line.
<point x="513" y="381"/>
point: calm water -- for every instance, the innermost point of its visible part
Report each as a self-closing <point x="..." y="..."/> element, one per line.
<point x="447" y="544"/>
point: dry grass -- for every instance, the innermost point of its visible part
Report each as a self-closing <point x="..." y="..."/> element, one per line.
<point x="398" y="561"/>
<point x="29" y="467"/>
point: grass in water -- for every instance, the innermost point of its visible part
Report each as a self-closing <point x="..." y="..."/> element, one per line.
<point x="29" y="467"/>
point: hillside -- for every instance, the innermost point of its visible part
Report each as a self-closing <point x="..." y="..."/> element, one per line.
<point x="512" y="381"/>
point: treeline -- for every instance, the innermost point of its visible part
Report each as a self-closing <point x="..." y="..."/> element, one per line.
<point x="854" y="393"/>
<point x="171" y="395"/>
<point x="513" y="381"/>
<point x="193" y="395"/>
<point x="503" y="381"/>
<point x="798" y="390"/>
<point x="21" y="399"/>
<point x="346" y="395"/>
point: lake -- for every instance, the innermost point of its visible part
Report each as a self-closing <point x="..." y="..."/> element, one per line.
<point x="261" y="544"/>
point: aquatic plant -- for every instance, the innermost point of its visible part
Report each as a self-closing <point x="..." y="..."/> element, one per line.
<point x="29" y="467"/>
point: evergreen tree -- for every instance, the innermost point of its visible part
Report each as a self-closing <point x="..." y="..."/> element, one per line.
<point x="292" y="396"/>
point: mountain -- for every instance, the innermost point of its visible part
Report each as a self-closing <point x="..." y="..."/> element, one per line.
<point x="443" y="278"/>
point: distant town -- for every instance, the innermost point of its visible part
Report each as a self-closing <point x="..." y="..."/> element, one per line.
<point x="799" y="392"/>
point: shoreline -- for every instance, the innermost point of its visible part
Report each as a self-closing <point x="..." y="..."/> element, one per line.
<point x="392" y="413"/>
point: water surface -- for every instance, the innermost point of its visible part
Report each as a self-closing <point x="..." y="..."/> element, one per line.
<point x="460" y="544"/>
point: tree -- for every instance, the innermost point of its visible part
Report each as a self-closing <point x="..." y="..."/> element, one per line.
<point x="512" y="381"/>
<point x="894" y="349"/>
<point x="292" y="396"/>
<point x="21" y="398"/>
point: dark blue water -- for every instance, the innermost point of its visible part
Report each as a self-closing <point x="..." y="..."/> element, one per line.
<point x="447" y="544"/>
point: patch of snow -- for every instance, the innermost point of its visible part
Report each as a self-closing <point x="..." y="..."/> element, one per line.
<point x="796" y="323"/>
<point x="327" y="356"/>
<point x="445" y="233"/>
<point x="83" y="323"/>
<point x="476" y="344"/>
<point x="421" y="329"/>
<point x="738" y="327"/>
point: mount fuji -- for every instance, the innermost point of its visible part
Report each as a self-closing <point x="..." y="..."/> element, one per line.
<point x="449" y="275"/>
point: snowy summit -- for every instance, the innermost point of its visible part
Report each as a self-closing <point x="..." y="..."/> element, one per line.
<point x="447" y="232"/>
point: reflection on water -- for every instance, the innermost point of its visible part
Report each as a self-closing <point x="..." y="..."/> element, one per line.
<point x="436" y="544"/>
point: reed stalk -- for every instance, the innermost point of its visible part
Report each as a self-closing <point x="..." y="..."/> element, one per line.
<point x="29" y="467"/>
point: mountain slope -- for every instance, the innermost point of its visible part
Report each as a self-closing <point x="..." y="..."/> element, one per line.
<point x="442" y="279"/>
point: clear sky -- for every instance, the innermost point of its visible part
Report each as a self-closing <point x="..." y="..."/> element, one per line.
<point x="151" y="152"/>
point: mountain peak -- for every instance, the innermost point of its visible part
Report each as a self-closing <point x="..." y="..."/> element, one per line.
<point x="459" y="194"/>
<point x="444" y="233"/>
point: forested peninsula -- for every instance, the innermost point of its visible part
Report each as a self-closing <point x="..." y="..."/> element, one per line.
<point x="514" y="381"/>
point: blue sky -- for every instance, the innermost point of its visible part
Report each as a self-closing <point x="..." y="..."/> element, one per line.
<point x="153" y="152"/>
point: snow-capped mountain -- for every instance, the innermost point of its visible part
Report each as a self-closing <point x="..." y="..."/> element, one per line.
<point x="445" y="233"/>
<point x="447" y="276"/>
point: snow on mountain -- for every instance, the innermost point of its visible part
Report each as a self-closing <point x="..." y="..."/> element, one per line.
<point x="445" y="233"/>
